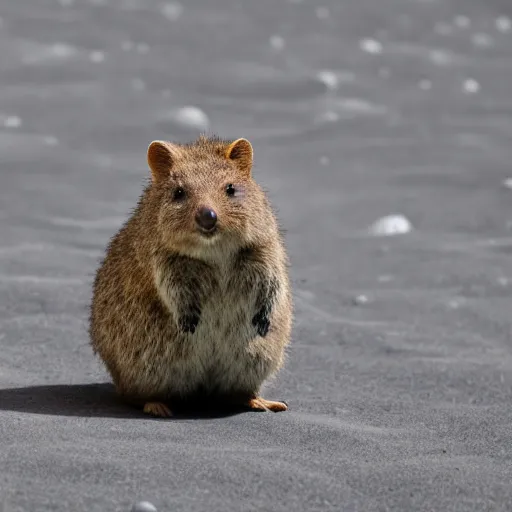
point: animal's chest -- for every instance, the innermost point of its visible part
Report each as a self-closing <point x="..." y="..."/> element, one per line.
<point x="227" y="313"/>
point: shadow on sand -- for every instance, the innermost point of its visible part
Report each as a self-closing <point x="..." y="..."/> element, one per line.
<point x="92" y="400"/>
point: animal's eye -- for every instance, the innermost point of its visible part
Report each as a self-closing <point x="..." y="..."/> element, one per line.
<point x="230" y="190"/>
<point x="178" y="194"/>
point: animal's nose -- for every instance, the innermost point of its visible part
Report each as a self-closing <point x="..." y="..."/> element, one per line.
<point x="206" y="218"/>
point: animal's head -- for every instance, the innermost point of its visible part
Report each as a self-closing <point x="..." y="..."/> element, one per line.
<point x="208" y="199"/>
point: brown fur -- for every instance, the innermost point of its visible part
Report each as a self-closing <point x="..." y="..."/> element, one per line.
<point x="177" y="313"/>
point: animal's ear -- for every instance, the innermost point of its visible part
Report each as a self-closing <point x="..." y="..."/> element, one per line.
<point x="161" y="158"/>
<point x="240" y="151"/>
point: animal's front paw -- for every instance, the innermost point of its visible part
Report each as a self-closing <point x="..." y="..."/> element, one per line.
<point x="189" y="323"/>
<point x="261" y="322"/>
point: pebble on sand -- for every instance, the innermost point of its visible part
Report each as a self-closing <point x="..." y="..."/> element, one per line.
<point x="360" y="300"/>
<point x="277" y="42"/>
<point x="50" y="140"/>
<point x="329" y="79"/>
<point x="142" y="48"/>
<point x="425" y="84"/>
<point x="481" y="40"/>
<point x="127" y="45"/>
<point x="63" y="50"/>
<point x="97" y="56"/>
<point x="322" y="13"/>
<point x="138" y="84"/>
<point x="503" y="24"/>
<point x="172" y="11"/>
<point x="390" y="225"/>
<point x="440" y="57"/>
<point x="471" y="86"/>
<point x="12" y="122"/>
<point x="143" y="506"/>
<point x="443" y="28"/>
<point x="327" y="117"/>
<point x="191" y="117"/>
<point x="462" y="21"/>
<point x="371" y="46"/>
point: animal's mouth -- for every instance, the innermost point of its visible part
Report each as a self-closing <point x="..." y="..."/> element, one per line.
<point x="208" y="233"/>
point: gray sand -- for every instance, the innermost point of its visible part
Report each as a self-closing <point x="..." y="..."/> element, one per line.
<point x="399" y="402"/>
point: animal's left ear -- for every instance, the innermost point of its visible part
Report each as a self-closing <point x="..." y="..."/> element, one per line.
<point x="240" y="152"/>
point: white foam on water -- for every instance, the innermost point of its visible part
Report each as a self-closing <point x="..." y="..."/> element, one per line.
<point x="97" y="56"/>
<point x="12" y="122"/>
<point x="322" y="13"/>
<point x="508" y="183"/>
<point x="371" y="46"/>
<point x="324" y="160"/>
<point x="172" y="11"/>
<point x="503" y="24"/>
<point x="471" y="86"/>
<point x="391" y="225"/>
<point x="191" y="117"/>
<point x="277" y="42"/>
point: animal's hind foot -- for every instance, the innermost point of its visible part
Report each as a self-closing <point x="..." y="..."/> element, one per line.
<point x="260" y="404"/>
<point x="157" y="409"/>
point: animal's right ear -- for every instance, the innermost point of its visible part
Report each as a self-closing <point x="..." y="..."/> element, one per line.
<point x="162" y="156"/>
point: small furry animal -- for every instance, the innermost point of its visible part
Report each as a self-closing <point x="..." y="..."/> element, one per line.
<point x="193" y="297"/>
